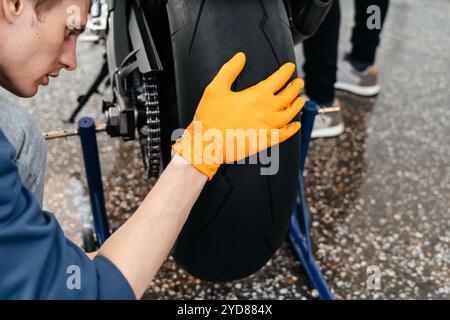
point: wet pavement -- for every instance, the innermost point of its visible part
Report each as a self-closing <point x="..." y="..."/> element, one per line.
<point x="379" y="193"/>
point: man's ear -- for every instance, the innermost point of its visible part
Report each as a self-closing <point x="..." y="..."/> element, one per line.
<point x="12" y="9"/>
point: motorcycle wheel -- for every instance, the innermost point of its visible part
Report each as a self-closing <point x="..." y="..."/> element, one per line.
<point x="241" y="217"/>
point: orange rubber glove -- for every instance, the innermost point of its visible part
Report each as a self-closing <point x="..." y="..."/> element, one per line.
<point x="255" y="116"/>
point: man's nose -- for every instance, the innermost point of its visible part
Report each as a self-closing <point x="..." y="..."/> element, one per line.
<point x="68" y="58"/>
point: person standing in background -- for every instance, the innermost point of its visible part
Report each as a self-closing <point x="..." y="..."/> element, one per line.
<point x="355" y="73"/>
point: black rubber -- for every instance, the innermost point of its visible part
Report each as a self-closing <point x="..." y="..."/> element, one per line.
<point x="241" y="217"/>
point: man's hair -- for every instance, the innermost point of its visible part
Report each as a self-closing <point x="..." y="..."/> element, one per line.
<point x="44" y="5"/>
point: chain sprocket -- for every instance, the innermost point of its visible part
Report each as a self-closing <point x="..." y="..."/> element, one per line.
<point x="150" y="130"/>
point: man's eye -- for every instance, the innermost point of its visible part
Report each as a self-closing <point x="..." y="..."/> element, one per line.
<point x="69" y="33"/>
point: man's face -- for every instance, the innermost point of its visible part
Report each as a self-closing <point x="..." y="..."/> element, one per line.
<point x="35" y="47"/>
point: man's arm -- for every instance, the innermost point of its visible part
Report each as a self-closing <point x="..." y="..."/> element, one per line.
<point x="141" y="245"/>
<point x="36" y="260"/>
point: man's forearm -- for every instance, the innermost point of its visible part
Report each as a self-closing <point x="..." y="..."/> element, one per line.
<point x="142" y="244"/>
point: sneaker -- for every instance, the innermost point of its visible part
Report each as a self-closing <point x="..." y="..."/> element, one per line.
<point x="328" y="124"/>
<point x="362" y="83"/>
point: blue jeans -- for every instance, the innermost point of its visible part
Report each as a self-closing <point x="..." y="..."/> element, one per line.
<point x="25" y="136"/>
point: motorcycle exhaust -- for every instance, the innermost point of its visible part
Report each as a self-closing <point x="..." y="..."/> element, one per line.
<point x="306" y="17"/>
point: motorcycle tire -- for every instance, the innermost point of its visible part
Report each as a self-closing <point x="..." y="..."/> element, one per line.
<point x="242" y="216"/>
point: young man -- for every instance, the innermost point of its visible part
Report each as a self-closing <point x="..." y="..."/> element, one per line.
<point x="36" y="260"/>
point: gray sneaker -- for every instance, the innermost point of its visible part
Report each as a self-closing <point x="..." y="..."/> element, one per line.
<point x="362" y="83"/>
<point x="329" y="121"/>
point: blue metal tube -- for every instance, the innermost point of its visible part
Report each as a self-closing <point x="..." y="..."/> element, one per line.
<point x="310" y="110"/>
<point x="87" y="133"/>
<point x="301" y="242"/>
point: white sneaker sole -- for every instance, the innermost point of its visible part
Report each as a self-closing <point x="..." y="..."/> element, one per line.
<point x="358" y="90"/>
<point x="328" y="132"/>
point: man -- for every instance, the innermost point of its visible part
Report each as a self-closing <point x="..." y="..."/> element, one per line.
<point x="36" y="260"/>
<point x="356" y="73"/>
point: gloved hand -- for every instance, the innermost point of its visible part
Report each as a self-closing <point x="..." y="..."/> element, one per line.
<point x="258" y="116"/>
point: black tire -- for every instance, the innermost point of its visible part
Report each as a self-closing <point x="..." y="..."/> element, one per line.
<point x="241" y="217"/>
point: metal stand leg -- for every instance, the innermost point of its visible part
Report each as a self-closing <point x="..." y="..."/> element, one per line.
<point x="82" y="100"/>
<point x="87" y="133"/>
<point x="301" y="239"/>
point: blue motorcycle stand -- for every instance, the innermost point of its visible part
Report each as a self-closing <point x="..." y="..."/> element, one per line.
<point x="301" y="239"/>
<point x="88" y="137"/>
<point x="299" y="232"/>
